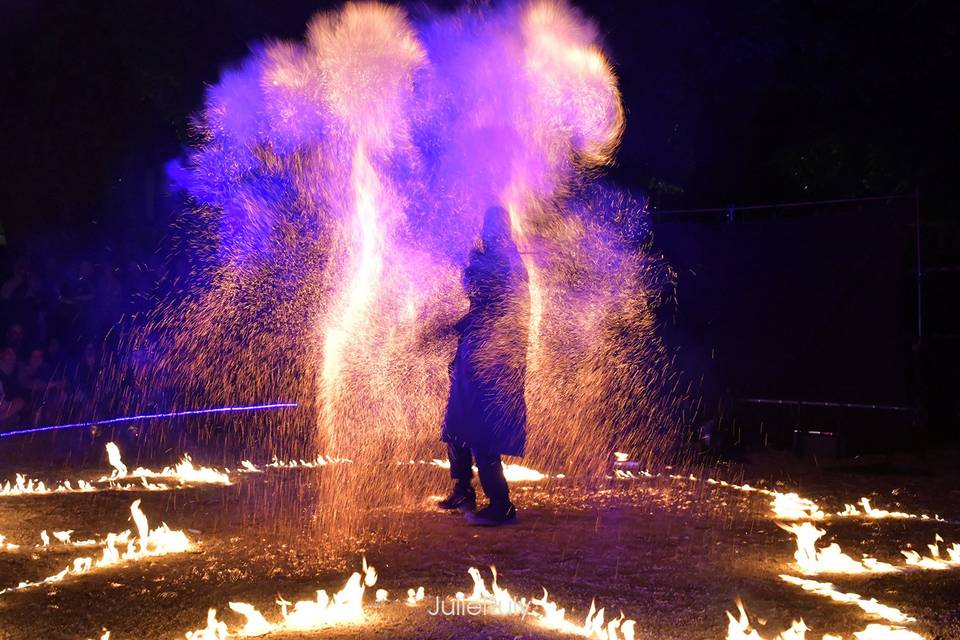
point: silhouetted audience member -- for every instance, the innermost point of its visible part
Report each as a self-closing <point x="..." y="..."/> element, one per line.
<point x="8" y="371"/>
<point x="13" y="337"/>
<point x="34" y="374"/>
<point x="87" y="375"/>
<point x="9" y="408"/>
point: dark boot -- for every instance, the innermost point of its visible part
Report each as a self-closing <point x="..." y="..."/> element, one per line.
<point x="493" y="515"/>
<point x="461" y="498"/>
<point x="494" y="484"/>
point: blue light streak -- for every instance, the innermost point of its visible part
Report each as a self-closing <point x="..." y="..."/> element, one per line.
<point x="153" y="416"/>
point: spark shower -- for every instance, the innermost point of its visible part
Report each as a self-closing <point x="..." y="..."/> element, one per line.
<point x="337" y="186"/>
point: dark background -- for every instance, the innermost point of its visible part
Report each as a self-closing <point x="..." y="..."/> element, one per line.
<point x="729" y="104"/>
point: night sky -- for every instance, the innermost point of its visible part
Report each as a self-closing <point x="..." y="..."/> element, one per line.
<point x="743" y="103"/>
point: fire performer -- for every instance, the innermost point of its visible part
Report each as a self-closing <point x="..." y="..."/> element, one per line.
<point x="486" y="414"/>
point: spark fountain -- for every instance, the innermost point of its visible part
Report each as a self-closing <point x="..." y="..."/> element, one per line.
<point x="338" y="187"/>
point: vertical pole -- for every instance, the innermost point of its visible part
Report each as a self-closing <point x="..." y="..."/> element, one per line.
<point x="919" y="268"/>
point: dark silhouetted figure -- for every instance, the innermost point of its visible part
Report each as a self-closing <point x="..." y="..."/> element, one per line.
<point x="486" y="415"/>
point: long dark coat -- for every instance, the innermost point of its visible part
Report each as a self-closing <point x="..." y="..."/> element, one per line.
<point x="486" y="408"/>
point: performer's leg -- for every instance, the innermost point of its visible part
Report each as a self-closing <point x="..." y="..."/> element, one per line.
<point x="461" y="464"/>
<point x="494" y="484"/>
<point x="463" y="497"/>
<point x="500" y="510"/>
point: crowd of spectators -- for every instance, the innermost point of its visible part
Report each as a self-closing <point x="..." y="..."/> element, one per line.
<point x="55" y="316"/>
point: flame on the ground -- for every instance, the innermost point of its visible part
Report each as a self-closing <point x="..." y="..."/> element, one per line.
<point x="215" y="629"/>
<point x="870" y="606"/>
<point x="415" y="596"/>
<point x="790" y="506"/>
<point x="254" y="622"/>
<point x="785" y="506"/>
<point x="869" y="511"/>
<point x="935" y="560"/>
<point x="831" y="559"/>
<point x="185" y="472"/>
<point x="23" y="486"/>
<point x="116" y="461"/>
<point x="520" y="473"/>
<point x="64" y="537"/>
<point x="548" y="614"/>
<point x="512" y="472"/>
<point x="739" y="628"/>
<point x="886" y="632"/>
<point x="344" y="607"/>
<point x="148" y="544"/>
<point x="319" y="461"/>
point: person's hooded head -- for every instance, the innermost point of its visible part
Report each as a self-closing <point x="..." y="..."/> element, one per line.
<point x="495" y="233"/>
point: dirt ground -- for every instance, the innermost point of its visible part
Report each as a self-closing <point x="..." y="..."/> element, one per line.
<point x="672" y="554"/>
